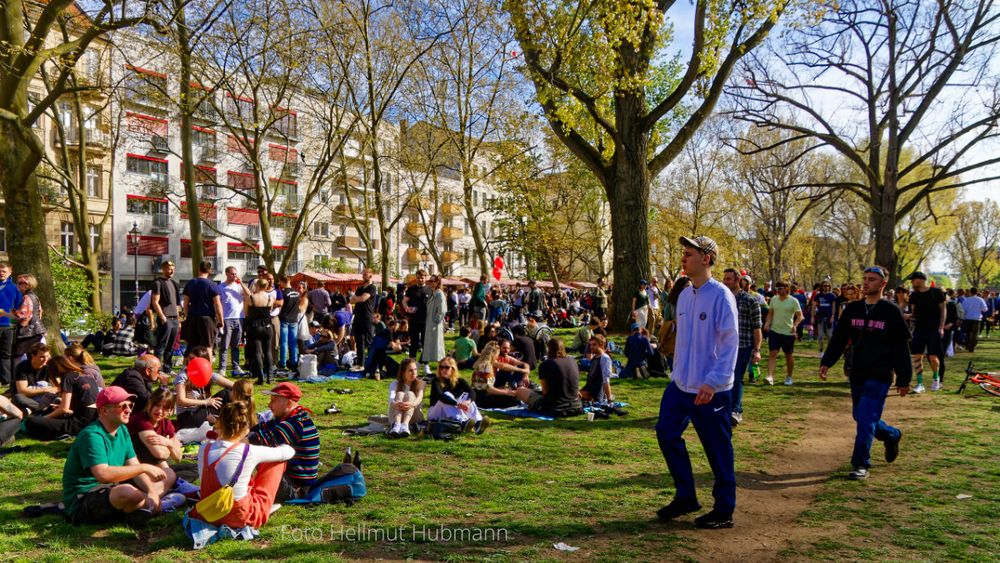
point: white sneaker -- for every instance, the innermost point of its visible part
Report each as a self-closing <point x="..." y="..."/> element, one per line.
<point x="172" y="501"/>
<point x="935" y="385"/>
<point x="788" y="381"/>
<point x="274" y="508"/>
<point x="769" y="379"/>
<point x="919" y="388"/>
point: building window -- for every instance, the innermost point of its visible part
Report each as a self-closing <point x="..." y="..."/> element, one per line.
<point x="288" y="124"/>
<point x="67" y="238"/>
<point x="321" y="229"/>
<point x="154" y="167"/>
<point x="95" y="236"/>
<point x="465" y="260"/>
<point x="202" y="137"/>
<point x="94" y="181"/>
<point x="142" y="205"/>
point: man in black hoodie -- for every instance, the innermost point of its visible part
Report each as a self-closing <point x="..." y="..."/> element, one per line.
<point x="878" y="333"/>
<point x="140" y="380"/>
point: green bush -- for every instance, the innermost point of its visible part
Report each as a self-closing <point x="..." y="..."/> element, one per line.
<point x="73" y="291"/>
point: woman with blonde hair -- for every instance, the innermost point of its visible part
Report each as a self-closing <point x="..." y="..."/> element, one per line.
<point x="26" y="319"/>
<point x="483" y="378"/>
<point x="406" y="394"/>
<point x="453" y="398"/>
<point x="229" y="460"/>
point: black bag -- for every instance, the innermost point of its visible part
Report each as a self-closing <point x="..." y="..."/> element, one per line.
<point x="656" y="366"/>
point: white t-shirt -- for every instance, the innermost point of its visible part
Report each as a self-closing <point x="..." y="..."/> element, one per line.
<point x="226" y="468"/>
<point x="232" y="300"/>
<point x="274" y="297"/>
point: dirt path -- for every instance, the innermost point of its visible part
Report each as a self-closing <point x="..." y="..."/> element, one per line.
<point x="769" y="503"/>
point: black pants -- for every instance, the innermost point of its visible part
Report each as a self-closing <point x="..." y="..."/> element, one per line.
<point x="416" y="339"/>
<point x="363" y="333"/>
<point x="258" y="351"/>
<point x="8" y="429"/>
<point x="166" y="335"/>
<point x="6" y="354"/>
<point x="48" y="429"/>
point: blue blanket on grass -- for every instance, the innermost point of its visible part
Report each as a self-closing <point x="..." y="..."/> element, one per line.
<point x="341" y="375"/>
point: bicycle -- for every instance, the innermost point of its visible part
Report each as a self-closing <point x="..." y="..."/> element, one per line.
<point x="987" y="381"/>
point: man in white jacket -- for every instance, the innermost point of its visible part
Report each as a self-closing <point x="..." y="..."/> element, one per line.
<point x="700" y="390"/>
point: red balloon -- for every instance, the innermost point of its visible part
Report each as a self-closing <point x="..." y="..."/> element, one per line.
<point x="498" y="263"/>
<point x="199" y="372"/>
<point x="496" y="273"/>
<point x="743" y="272"/>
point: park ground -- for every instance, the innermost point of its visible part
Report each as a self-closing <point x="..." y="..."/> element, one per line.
<point x="526" y="485"/>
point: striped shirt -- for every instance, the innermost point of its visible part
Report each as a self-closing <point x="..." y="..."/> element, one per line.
<point x="296" y="430"/>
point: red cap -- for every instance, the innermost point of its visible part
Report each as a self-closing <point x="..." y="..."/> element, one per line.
<point x="112" y="396"/>
<point x="287" y="390"/>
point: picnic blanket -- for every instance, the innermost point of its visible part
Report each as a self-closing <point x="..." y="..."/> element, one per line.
<point x="341" y="375"/>
<point x="377" y="424"/>
<point x="520" y="411"/>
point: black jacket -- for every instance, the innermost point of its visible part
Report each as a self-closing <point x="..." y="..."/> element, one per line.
<point x="137" y="384"/>
<point x="880" y="339"/>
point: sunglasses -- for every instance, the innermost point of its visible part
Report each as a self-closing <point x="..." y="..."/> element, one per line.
<point x="445" y="367"/>
<point x="875" y="270"/>
<point x="123" y="406"/>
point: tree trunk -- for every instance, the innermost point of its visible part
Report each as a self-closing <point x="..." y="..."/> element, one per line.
<point x="187" y="162"/>
<point x="26" y="241"/>
<point x="883" y="221"/>
<point x="477" y="236"/>
<point x="629" y="200"/>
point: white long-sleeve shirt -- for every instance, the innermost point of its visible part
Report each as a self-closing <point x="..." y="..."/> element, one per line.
<point x="227" y="467"/>
<point x="707" y="338"/>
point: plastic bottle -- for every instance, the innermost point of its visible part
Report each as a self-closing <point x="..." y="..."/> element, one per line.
<point x="754" y="372"/>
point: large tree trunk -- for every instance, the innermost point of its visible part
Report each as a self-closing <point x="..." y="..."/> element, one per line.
<point x="629" y="199"/>
<point x="883" y="221"/>
<point x="26" y="241"/>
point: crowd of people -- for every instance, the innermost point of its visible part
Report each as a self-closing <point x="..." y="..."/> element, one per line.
<point x="704" y="333"/>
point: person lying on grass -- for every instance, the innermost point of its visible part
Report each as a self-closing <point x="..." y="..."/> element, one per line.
<point x="406" y="394"/>
<point x="103" y="481"/>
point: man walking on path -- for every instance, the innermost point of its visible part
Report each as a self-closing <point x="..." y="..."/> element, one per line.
<point x="878" y="334"/>
<point x="783" y="315"/>
<point x="976" y="310"/>
<point x="929" y="312"/>
<point x="701" y="388"/>
<point x="750" y="336"/>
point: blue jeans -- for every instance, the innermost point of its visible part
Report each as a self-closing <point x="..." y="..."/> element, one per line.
<point x="868" y="397"/>
<point x="742" y="361"/>
<point x="715" y="431"/>
<point x="232" y="334"/>
<point x="289" y="344"/>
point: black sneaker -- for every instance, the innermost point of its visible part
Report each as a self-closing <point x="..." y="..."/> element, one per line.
<point x="139" y="518"/>
<point x="892" y="449"/>
<point x="714" y="520"/>
<point x="678" y="507"/>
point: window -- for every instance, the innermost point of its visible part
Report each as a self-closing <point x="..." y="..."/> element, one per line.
<point x="240" y="106"/>
<point x="319" y="260"/>
<point x="142" y="205"/>
<point x="94" y="181"/>
<point x="465" y="259"/>
<point x="146" y="86"/>
<point x="343" y="230"/>
<point x="321" y="229"/>
<point x="67" y="238"/>
<point x="3" y="236"/>
<point x="147" y="126"/>
<point x="281" y="153"/>
<point x="201" y="137"/>
<point x="154" y="167"/>
<point x="240" y="180"/>
<point x="324" y="196"/>
<point x="286" y="188"/>
<point x="288" y="124"/>
<point x="95" y="235"/>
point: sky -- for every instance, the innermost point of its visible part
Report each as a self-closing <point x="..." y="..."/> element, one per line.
<point x="682" y="15"/>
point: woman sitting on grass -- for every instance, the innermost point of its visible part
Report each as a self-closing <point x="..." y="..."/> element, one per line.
<point x="76" y="407"/>
<point x="196" y="405"/>
<point x="82" y="357"/>
<point x="153" y="435"/>
<point x="483" y="377"/>
<point x="447" y="400"/>
<point x="406" y="394"/>
<point x="230" y="460"/>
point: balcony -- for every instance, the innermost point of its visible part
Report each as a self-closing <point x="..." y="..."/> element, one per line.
<point x="157" y="185"/>
<point x="450" y="257"/>
<point x="209" y="228"/>
<point x="451" y="209"/>
<point x="209" y="154"/>
<point x="253" y="232"/>
<point x="420" y="203"/>
<point x="291" y="170"/>
<point x="96" y="140"/>
<point x="354" y="243"/>
<point x="161" y="223"/>
<point x="209" y="192"/>
<point x="449" y="234"/>
<point x="414" y="229"/>
<point x="412" y="255"/>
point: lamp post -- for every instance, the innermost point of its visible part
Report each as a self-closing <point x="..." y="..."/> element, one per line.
<point x="425" y="260"/>
<point x="133" y="240"/>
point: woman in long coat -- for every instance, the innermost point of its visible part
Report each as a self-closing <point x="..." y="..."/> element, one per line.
<point x="434" y="333"/>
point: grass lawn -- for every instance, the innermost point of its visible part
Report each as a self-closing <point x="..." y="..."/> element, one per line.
<point x="526" y="485"/>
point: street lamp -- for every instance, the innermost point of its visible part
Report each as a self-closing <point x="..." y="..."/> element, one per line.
<point x="133" y="239"/>
<point x="425" y="260"/>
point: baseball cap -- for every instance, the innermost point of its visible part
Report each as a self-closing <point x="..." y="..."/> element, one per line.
<point x="112" y="396"/>
<point x="633" y="326"/>
<point x="286" y="390"/>
<point x="747" y="278"/>
<point x="315" y="323"/>
<point x="917" y="276"/>
<point x="702" y="244"/>
<point x="643" y="282"/>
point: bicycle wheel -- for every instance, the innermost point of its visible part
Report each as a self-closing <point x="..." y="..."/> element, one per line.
<point x="990" y="387"/>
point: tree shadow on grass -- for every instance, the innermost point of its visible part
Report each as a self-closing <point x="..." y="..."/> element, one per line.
<point x="758" y="481"/>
